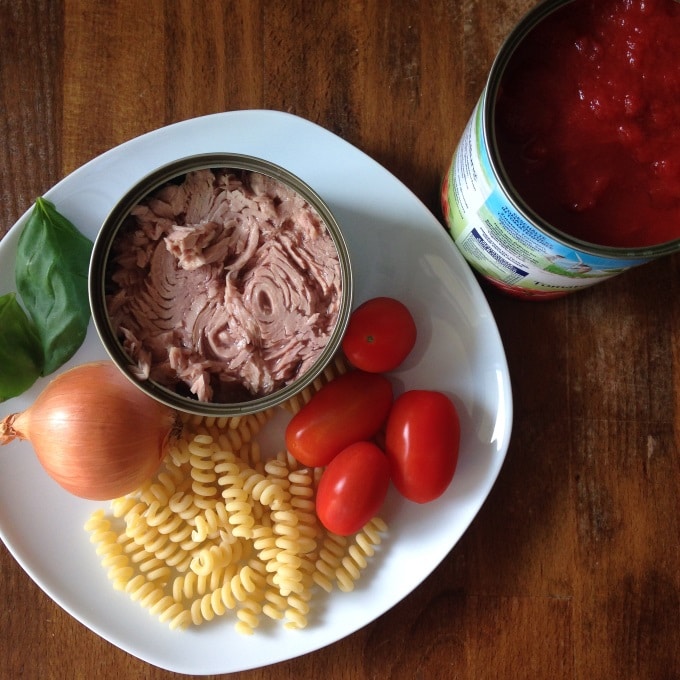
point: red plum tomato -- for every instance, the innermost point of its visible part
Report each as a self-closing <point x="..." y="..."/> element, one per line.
<point x="422" y="439"/>
<point x="351" y="408"/>
<point x="380" y="334"/>
<point x="352" y="488"/>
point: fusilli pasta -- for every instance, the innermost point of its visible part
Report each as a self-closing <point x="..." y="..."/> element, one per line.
<point x="223" y="529"/>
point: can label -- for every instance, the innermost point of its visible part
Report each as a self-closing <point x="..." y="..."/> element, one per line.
<point x="502" y="243"/>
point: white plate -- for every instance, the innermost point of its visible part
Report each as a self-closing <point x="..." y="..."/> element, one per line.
<point x="397" y="248"/>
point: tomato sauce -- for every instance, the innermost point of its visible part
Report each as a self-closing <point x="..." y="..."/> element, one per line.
<point x="588" y="121"/>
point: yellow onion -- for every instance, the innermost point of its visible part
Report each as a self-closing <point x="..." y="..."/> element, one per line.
<point x="95" y="433"/>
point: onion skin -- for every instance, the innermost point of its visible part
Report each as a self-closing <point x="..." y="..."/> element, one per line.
<point x="95" y="433"/>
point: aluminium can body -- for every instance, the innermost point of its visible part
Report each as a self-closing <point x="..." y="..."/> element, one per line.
<point x="496" y="232"/>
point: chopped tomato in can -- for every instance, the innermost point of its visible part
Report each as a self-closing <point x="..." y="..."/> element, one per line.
<point x="568" y="172"/>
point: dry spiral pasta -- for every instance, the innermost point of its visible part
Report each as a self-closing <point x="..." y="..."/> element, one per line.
<point x="328" y="562"/>
<point x="202" y="469"/>
<point x="363" y="547"/>
<point x="263" y="489"/>
<point x="113" y="558"/>
<point x="223" y="530"/>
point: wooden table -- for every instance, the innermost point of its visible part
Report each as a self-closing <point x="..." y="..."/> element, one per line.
<point x="572" y="567"/>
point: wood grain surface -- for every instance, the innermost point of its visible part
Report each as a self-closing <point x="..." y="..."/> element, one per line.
<point x="572" y="568"/>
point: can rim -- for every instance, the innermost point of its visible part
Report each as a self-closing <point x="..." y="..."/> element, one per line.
<point x="489" y="96"/>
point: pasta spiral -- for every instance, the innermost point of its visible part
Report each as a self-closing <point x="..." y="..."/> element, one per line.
<point x="362" y="547"/>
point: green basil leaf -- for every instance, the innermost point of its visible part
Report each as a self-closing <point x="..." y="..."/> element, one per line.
<point x="21" y="357"/>
<point x="51" y="268"/>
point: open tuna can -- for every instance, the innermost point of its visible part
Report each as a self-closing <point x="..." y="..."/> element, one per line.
<point x="221" y="285"/>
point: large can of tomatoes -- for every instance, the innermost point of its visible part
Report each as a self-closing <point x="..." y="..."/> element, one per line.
<point x="568" y="171"/>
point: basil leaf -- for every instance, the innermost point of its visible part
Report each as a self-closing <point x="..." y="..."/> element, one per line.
<point x="51" y="268"/>
<point x="21" y="357"/>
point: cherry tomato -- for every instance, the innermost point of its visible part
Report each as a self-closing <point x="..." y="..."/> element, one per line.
<point x="350" y="408"/>
<point x="380" y="334"/>
<point x="352" y="488"/>
<point x="422" y="438"/>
